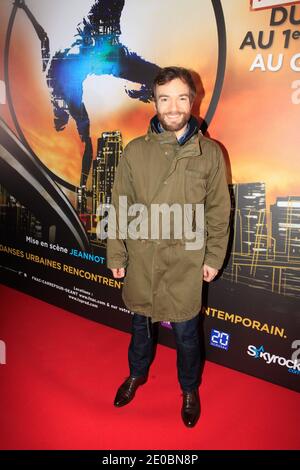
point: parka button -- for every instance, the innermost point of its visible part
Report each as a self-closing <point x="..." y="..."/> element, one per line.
<point x="166" y="153"/>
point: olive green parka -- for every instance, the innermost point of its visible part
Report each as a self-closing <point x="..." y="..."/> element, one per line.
<point x="163" y="278"/>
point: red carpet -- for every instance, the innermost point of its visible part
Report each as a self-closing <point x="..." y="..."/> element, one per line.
<point x="62" y="372"/>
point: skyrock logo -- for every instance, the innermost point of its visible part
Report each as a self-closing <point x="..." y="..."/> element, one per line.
<point x="260" y="353"/>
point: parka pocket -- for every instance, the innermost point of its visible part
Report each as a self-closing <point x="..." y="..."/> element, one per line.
<point x="195" y="187"/>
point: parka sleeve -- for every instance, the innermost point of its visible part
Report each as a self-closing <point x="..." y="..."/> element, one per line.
<point x="122" y="198"/>
<point x="217" y="213"/>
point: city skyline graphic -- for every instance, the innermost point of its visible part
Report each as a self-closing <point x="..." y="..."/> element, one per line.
<point x="264" y="247"/>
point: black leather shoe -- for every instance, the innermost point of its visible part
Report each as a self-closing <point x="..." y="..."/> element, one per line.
<point x="127" y="390"/>
<point x="190" y="411"/>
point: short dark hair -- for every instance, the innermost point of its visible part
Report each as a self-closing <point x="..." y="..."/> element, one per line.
<point x="167" y="74"/>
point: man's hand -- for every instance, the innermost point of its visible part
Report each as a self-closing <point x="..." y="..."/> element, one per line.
<point x="209" y="273"/>
<point x="118" y="273"/>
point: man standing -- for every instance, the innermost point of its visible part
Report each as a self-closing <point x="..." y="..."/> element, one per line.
<point x="172" y="166"/>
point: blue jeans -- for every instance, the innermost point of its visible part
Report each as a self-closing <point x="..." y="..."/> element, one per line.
<point x="140" y="353"/>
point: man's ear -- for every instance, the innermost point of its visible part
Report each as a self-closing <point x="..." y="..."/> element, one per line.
<point x="154" y="103"/>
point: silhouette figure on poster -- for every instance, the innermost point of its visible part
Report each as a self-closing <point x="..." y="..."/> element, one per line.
<point x="96" y="50"/>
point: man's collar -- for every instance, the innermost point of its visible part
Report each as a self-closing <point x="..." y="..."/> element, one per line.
<point x="192" y="129"/>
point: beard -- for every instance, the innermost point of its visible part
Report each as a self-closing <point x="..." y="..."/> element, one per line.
<point x="174" y="124"/>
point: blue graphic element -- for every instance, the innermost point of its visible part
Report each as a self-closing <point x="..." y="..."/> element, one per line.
<point x="219" y="339"/>
<point x="258" y="351"/>
<point x="97" y="50"/>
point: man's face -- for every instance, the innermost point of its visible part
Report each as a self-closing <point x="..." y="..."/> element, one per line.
<point x="173" y="105"/>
